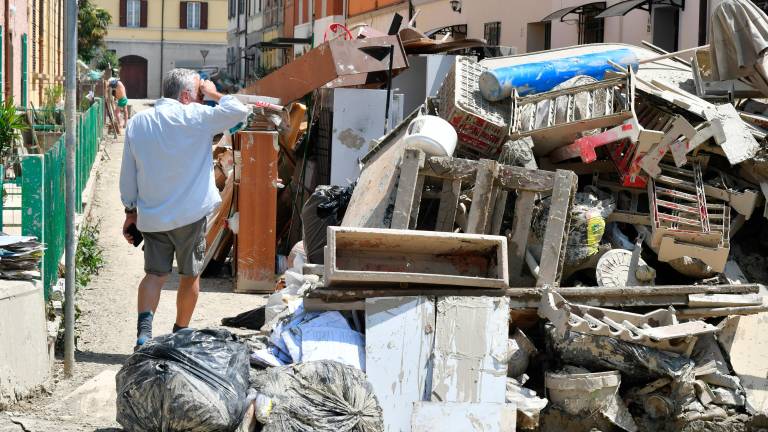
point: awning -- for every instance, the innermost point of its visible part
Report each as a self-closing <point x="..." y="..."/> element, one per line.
<point x="625" y="7"/>
<point x="560" y="14"/>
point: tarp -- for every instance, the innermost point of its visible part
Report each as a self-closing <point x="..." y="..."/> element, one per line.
<point x="738" y="35"/>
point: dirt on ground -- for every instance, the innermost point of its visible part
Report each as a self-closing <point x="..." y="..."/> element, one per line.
<point x="107" y="323"/>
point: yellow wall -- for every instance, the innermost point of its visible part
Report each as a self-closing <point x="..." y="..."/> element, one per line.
<point x="49" y="69"/>
<point x="216" y="32"/>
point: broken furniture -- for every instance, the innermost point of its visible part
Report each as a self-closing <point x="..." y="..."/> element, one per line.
<point x="658" y="329"/>
<point x="336" y="63"/>
<point x="256" y="178"/>
<point x="602" y="104"/>
<point x="364" y="256"/>
<point x="685" y="223"/>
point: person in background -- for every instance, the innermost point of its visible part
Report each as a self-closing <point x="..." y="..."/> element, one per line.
<point x="168" y="190"/>
<point x="121" y="100"/>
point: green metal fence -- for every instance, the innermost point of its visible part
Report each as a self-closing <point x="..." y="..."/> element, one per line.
<point x="43" y="185"/>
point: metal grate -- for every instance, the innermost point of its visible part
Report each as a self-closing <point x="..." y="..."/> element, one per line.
<point x="493" y="33"/>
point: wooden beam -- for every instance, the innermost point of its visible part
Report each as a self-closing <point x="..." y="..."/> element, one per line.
<point x="482" y="197"/>
<point x="518" y="241"/>
<point x="510" y="177"/>
<point x="412" y="161"/>
<point x="449" y="201"/>
<point x="553" y="252"/>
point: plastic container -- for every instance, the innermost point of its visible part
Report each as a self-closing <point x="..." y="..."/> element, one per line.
<point x="431" y="134"/>
<point x="580" y="393"/>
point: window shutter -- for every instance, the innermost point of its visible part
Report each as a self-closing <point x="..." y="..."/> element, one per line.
<point x="123" y="13"/>
<point x="203" y="15"/>
<point x="143" y="13"/>
<point x="183" y="15"/>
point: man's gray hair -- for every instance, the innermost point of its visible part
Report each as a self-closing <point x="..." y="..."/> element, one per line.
<point x="178" y="80"/>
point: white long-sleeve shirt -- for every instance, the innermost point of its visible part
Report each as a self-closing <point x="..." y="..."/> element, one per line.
<point x="167" y="169"/>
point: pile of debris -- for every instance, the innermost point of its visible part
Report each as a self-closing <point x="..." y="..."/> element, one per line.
<point x="19" y="257"/>
<point x="551" y="241"/>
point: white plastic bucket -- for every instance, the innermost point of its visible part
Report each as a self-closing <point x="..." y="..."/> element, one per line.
<point x="431" y="134"/>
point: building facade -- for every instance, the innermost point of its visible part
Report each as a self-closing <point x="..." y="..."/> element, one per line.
<point x="45" y="47"/>
<point x="669" y="24"/>
<point x="153" y="37"/>
<point x="313" y="20"/>
<point x="14" y="73"/>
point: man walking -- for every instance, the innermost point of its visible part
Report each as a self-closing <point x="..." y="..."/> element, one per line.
<point x="167" y="187"/>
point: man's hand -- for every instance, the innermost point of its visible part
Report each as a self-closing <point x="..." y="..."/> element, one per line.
<point x="208" y="89"/>
<point x="129" y="220"/>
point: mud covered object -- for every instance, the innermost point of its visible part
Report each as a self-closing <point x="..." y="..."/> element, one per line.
<point x="316" y="396"/>
<point x="636" y="362"/>
<point x="324" y="208"/>
<point x="192" y="380"/>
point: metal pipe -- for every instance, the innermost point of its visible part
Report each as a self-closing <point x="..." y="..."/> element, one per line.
<point x="70" y="113"/>
<point x="162" y="43"/>
<point x="389" y="87"/>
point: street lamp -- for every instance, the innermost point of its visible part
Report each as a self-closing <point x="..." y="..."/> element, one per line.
<point x="456" y="5"/>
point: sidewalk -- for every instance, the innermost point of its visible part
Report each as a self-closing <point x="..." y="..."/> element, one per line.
<point x="107" y="322"/>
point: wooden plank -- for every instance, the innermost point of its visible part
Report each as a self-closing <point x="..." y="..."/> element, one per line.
<point x="411" y="163"/>
<point x="398" y="347"/>
<point x="510" y="177"/>
<point x="553" y="251"/>
<point x="712" y="300"/>
<point x="416" y="202"/>
<point x="499" y="208"/>
<point x="366" y="255"/>
<point x="518" y="241"/>
<point x="481" y="209"/>
<point x="449" y="201"/>
<point x="256" y="239"/>
<point x="661" y="295"/>
<point x="709" y="312"/>
<point x="320" y="305"/>
<point x="470" y="336"/>
<point x="465" y="417"/>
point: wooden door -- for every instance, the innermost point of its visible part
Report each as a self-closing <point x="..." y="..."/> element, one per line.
<point x="133" y="74"/>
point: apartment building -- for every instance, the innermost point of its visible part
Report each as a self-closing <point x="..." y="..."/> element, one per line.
<point x="45" y="48"/>
<point x="14" y="47"/>
<point x="529" y="25"/>
<point x="152" y="37"/>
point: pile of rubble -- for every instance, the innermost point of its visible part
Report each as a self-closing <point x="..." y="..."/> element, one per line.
<point x="551" y="241"/>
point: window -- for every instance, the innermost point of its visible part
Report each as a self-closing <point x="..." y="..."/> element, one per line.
<point x="591" y="29"/>
<point x="493" y="33"/>
<point x="193" y="15"/>
<point x="133" y="13"/>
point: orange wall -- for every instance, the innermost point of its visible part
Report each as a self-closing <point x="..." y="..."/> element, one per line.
<point x="357" y="7"/>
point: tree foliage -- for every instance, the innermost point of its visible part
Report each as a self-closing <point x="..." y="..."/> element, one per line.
<point x="92" y="23"/>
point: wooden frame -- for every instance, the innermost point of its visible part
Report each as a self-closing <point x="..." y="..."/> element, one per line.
<point x="492" y="184"/>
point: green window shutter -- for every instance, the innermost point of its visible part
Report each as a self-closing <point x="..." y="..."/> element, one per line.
<point x="24" y="70"/>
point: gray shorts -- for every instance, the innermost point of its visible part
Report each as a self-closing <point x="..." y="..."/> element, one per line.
<point x="188" y="242"/>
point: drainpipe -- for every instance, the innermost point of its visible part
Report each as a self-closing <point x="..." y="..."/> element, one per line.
<point x="162" y="43"/>
<point x="245" y="45"/>
<point x="70" y="115"/>
<point x="8" y="60"/>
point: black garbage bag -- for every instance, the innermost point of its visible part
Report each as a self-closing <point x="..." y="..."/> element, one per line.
<point x="324" y="208"/>
<point x="192" y="380"/>
<point x="320" y="396"/>
<point x="252" y="319"/>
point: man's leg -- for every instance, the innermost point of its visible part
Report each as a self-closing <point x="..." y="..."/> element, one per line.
<point x="149" y="292"/>
<point x="158" y="262"/>
<point x="186" y="299"/>
<point x="148" y="299"/>
<point x="189" y="241"/>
